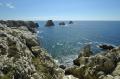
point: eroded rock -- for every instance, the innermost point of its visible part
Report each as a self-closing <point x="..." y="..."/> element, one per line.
<point x="21" y="57"/>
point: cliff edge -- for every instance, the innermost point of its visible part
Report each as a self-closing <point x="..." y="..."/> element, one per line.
<point x="21" y="56"/>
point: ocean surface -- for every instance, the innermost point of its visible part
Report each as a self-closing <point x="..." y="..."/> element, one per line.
<point x="65" y="42"/>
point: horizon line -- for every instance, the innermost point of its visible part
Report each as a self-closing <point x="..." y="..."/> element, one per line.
<point x="62" y="19"/>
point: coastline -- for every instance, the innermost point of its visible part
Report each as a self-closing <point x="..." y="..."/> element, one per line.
<point x="21" y="56"/>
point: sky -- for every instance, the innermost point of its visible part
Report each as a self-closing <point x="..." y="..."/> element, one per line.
<point x="60" y="9"/>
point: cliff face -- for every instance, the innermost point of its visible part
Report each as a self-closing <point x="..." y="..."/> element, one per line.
<point x="21" y="57"/>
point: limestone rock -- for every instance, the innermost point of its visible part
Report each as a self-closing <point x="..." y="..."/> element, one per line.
<point x="117" y="70"/>
<point x="104" y="65"/>
<point x="21" y="57"/>
<point x="86" y="52"/>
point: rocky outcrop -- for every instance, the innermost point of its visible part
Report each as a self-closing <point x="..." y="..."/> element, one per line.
<point x="49" y="23"/>
<point x="29" y="24"/>
<point x="70" y="22"/>
<point x="86" y="52"/>
<point x="21" y="57"/>
<point x="62" y="23"/>
<point x="104" y="65"/>
<point x="106" y="47"/>
<point x="62" y="66"/>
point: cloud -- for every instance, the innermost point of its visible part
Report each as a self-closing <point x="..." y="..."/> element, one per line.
<point x="1" y="4"/>
<point x="7" y="5"/>
<point x="10" y="5"/>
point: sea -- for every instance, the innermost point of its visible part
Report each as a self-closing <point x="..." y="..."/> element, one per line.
<point x="64" y="42"/>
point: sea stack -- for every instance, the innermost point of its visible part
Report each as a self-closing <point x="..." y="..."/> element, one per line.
<point x="49" y="23"/>
<point x="62" y="23"/>
<point x="70" y="22"/>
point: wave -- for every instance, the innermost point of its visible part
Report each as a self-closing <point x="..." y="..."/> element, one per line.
<point x="79" y="43"/>
<point x="59" y="44"/>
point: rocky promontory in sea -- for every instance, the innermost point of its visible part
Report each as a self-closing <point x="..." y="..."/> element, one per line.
<point x="104" y="65"/>
<point x="70" y="22"/>
<point x="62" y="23"/>
<point x="49" y="23"/>
<point x="21" y="56"/>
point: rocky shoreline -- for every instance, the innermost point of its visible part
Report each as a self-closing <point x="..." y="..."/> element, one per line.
<point x="21" y="56"/>
<point x="104" y="65"/>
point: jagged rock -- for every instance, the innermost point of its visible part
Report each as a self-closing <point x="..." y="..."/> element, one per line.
<point x="21" y="57"/>
<point x="106" y="47"/>
<point x="104" y="65"/>
<point x="36" y="50"/>
<point x="117" y="70"/>
<point x="29" y="24"/>
<point x="62" y="66"/>
<point x="49" y="23"/>
<point x="86" y="52"/>
<point x="62" y="23"/>
<point x="70" y="22"/>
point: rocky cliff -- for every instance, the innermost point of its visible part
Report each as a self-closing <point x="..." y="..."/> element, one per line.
<point x="21" y="56"/>
<point x="104" y="65"/>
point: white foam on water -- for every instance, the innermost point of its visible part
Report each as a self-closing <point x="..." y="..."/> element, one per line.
<point x="56" y="61"/>
<point x="68" y="60"/>
<point x="79" y="43"/>
<point x="96" y="42"/>
<point x="38" y="31"/>
<point x="59" y="44"/>
<point x="89" y="43"/>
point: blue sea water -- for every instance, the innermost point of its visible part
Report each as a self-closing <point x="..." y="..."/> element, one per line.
<point x="65" y="42"/>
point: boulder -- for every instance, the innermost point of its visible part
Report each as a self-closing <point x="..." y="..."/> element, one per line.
<point x="49" y="23"/>
<point x="106" y="47"/>
<point x="62" y="23"/>
<point x="62" y="66"/>
<point x="86" y="52"/>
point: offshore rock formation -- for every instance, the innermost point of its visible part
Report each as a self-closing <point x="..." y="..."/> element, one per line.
<point x="49" y="23"/>
<point x="21" y="57"/>
<point x="70" y="22"/>
<point x="62" y="23"/>
<point x="106" y="47"/>
<point x="105" y="65"/>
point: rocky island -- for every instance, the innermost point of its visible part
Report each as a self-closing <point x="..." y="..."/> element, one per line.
<point x="70" y="22"/>
<point x="62" y="23"/>
<point x="49" y="23"/>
